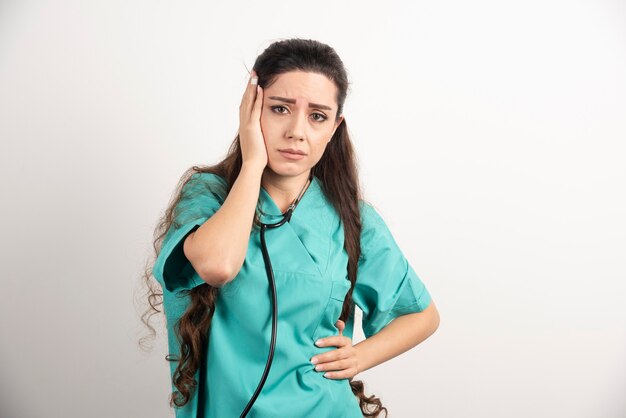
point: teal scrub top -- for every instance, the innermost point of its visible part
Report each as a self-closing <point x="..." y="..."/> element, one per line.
<point x="310" y="271"/>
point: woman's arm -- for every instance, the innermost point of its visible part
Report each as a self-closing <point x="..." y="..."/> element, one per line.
<point x="400" y="335"/>
<point x="217" y="249"/>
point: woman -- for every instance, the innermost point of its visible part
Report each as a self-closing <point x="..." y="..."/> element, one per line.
<point x="292" y="156"/>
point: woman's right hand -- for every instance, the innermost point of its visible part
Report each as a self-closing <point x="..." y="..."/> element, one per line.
<point x="253" y="148"/>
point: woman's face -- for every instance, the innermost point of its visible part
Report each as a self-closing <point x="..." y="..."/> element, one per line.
<point x="298" y="112"/>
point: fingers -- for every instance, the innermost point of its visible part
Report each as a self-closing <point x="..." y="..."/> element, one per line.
<point x="335" y="341"/>
<point x="249" y="97"/>
<point x="340" y="363"/>
<point x="342" y="374"/>
<point x="340" y="366"/>
<point x="256" y="111"/>
<point x="340" y="325"/>
<point x="331" y="355"/>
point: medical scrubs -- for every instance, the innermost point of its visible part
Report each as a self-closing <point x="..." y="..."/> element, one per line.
<point x="310" y="270"/>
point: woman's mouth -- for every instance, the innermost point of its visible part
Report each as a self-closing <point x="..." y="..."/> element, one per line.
<point x="291" y="155"/>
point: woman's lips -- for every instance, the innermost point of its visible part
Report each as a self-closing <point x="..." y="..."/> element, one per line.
<point x="291" y="156"/>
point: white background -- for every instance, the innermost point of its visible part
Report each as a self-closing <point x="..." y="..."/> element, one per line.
<point x="490" y="136"/>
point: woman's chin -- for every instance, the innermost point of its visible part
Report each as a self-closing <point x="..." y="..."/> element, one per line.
<point x="288" y="169"/>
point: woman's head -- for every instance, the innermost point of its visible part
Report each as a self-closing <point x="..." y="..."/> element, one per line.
<point x="298" y="114"/>
<point x="304" y="90"/>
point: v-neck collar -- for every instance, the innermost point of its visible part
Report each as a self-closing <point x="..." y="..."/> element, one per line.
<point x="304" y="240"/>
<point x="269" y="208"/>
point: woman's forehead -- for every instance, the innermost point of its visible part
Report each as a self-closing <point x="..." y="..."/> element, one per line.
<point x="304" y="88"/>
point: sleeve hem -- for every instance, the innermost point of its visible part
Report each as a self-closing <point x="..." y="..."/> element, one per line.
<point x="419" y="306"/>
<point x="172" y="284"/>
<point x="422" y="302"/>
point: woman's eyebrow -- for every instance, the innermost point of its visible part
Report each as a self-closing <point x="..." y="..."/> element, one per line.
<point x="292" y="101"/>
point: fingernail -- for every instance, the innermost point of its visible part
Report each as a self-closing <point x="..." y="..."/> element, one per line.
<point x="318" y="342"/>
<point x="314" y="360"/>
<point x="254" y="80"/>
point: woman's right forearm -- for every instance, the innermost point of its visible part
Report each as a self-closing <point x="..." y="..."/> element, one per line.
<point x="217" y="249"/>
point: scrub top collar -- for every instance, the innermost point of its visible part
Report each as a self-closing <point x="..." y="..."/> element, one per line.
<point x="270" y="212"/>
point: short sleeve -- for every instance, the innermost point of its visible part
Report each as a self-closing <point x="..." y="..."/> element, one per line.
<point x="200" y="198"/>
<point x="387" y="286"/>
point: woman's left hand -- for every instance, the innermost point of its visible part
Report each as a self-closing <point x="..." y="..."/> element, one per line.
<point x="341" y="363"/>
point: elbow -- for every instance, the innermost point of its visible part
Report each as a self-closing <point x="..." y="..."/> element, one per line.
<point x="435" y="324"/>
<point x="435" y="319"/>
<point x="216" y="275"/>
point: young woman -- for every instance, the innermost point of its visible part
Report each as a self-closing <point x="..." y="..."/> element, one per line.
<point x="245" y="304"/>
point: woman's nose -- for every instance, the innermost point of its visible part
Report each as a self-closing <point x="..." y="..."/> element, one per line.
<point x="297" y="126"/>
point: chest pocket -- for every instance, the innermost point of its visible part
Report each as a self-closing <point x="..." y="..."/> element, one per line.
<point x="334" y="304"/>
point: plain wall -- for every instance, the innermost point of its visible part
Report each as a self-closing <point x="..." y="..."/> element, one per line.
<point x="490" y="136"/>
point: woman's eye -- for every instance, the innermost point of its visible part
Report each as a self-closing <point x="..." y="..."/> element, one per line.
<point x="318" y="117"/>
<point x="321" y="118"/>
<point x="278" y="107"/>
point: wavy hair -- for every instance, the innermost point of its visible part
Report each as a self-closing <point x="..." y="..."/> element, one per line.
<point x="337" y="170"/>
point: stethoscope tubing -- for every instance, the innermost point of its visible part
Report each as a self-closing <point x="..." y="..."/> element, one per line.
<point x="272" y="283"/>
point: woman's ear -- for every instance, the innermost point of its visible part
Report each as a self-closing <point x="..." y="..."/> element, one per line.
<point x="336" y="126"/>
<point x="338" y="123"/>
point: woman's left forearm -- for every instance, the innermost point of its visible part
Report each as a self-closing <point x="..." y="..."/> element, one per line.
<point x="400" y="335"/>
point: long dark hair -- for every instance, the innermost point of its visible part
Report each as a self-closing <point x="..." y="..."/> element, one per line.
<point x="338" y="173"/>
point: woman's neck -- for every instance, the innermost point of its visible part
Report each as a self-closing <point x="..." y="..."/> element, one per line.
<point x="284" y="189"/>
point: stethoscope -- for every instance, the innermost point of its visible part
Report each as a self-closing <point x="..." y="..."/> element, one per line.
<point x="270" y="277"/>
